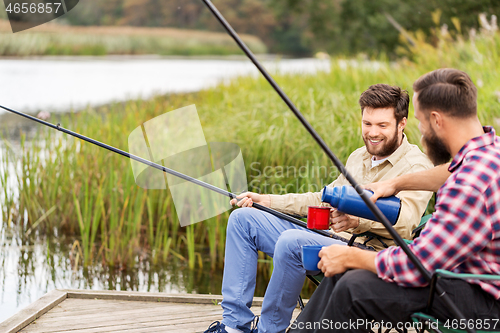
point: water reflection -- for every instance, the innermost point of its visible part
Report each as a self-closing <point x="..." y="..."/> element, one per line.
<point x="31" y="268"/>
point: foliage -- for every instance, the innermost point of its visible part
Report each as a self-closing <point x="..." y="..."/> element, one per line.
<point x="353" y="26"/>
<point x="291" y="26"/>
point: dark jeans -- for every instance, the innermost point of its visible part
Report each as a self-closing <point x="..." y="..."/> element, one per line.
<point x="358" y="300"/>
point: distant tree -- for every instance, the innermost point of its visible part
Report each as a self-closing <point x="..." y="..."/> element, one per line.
<point x="362" y="25"/>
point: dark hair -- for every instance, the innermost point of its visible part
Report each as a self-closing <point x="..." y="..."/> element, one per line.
<point x="448" y="90"/>
<point x="384" y="96"/>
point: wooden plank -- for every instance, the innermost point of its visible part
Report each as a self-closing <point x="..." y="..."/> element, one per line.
<point x="122" y="308"/>
<point x="32" y="311"/>
<point x="150" y="297"/>
<point x="117" y="318"/>
<point x="85" y="304"/>
<point x="201" y="320"/>
<point x="175" y="308"/>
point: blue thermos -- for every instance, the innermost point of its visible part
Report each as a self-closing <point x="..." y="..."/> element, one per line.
<point x="347" y="200"/>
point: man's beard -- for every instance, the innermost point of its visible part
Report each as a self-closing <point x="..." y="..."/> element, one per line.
<point x="435" y="149"/>
<point x="387" y="149"/>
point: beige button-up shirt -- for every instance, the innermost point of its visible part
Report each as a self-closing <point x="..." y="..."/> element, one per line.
<point x="406" y="159"/>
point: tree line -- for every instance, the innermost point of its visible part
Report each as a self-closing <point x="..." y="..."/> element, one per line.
<point x="295" y="27"/>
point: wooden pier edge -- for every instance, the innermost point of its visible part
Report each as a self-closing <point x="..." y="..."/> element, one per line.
<point x="33" y="311"/>
<point x="50" y="300"/>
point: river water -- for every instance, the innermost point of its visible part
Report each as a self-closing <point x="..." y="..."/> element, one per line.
<point x="28" y="271"/>
<point x="61" y="84"/>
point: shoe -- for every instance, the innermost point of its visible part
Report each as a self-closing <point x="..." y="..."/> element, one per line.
<point x="254" y="325"/>
<point x="216" y="327"/>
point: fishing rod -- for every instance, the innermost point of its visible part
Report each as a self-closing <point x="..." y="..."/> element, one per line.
<point x="375" y="210"/>
<point x="179" y="175"/>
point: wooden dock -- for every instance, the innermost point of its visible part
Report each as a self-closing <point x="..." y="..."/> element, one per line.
<point x="86" y="311"/>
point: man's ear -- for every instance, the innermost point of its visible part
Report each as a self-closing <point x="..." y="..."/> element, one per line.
<point x="402" y="124"/>
<point x="436" y="119"/>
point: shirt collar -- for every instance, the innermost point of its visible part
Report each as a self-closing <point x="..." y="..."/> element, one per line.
<point x="394" y="157"/>
<point x="488" y="138"/>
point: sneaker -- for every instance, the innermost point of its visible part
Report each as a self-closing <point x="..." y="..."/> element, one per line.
<point x="254" y="325"/>
<point x="216" y="327"/>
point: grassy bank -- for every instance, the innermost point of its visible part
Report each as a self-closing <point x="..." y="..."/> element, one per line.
<point x="90" y="194"/>
<point x="53" y="39"/>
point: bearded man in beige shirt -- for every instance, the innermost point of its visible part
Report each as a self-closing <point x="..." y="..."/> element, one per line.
<point x="386" y="155"/>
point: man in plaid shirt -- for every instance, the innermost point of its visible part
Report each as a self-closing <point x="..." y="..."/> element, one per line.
<point x="462" y="236"/>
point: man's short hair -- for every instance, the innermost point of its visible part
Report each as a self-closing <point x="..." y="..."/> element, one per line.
<point x="382" y="95"/>
<point x="447" y="90"/>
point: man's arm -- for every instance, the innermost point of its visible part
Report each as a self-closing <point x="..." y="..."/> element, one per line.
<point x="458" y="230"/>
<point x="292" y="203"/>
<point x="336" y="259"/>
<point x="429" y="180"/>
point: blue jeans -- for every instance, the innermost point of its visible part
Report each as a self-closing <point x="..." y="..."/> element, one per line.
<point x="248" y="231"/>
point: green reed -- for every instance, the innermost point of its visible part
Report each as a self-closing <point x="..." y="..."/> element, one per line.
<point x="6" y="197"/>
<point x="90" y="194"/>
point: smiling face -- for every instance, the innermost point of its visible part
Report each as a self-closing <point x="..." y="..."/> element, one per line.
<point x="434" y="147"/>
<point x="381" y="132"/>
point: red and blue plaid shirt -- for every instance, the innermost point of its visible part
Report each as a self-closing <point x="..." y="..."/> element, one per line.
<point x="463" y="234"/>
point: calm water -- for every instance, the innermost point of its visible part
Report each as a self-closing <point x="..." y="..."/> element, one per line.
<point x="32" y="266"/>
<point x="61" y="84"/>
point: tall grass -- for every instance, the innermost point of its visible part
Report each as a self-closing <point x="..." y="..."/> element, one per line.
<point x="97" y="201"/>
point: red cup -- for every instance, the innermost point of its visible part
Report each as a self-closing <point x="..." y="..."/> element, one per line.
<point x="318" y="217"/>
